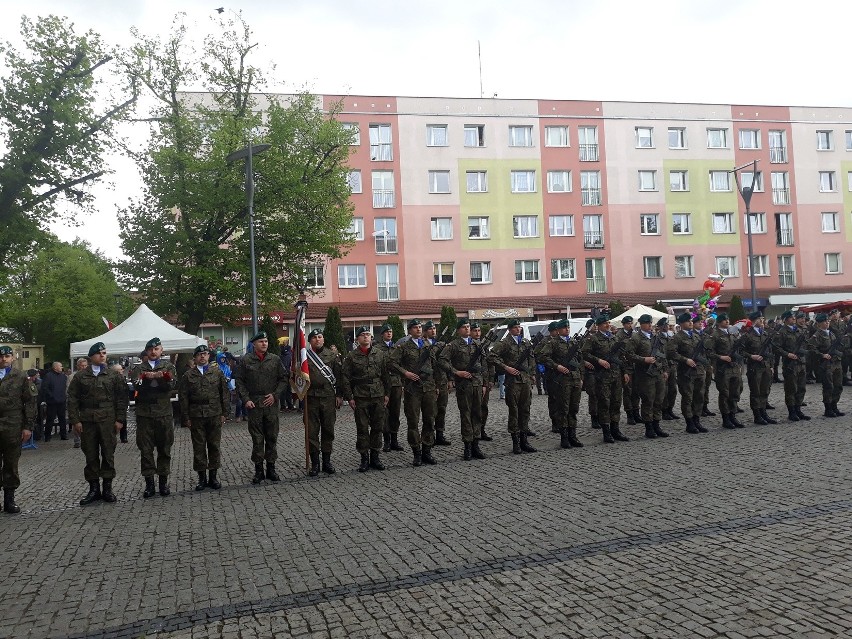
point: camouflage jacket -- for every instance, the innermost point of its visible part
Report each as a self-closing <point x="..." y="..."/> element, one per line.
<point x="204" y="395"/>
<point x="598" y="346"/>
<point x="386" y="350"/>
<point x="257" y="378"/>
<point x="365" y="375"/>
<point x="407" y="356"/>
<point x="458" y="355"/>
<point x="752" y="344"/>
<point x="320" y="386"/>
<point x="17" y="400"/>
<point x="787" y="340"/>
<point x="507" y="352"/>
<point x="688" y="345"/>
<point x="153" y="396"/>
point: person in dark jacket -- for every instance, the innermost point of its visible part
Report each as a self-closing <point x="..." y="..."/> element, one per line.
<point x="54" y="393"/>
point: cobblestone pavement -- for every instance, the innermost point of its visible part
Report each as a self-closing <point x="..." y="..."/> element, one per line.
<point x="743" y="533"/>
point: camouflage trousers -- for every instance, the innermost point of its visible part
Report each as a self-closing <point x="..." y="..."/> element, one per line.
<point x="206" y="435"/>
<point x="98" y="441"/>
<point x="155" y="434"/>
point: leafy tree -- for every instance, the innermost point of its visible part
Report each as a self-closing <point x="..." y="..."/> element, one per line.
<point x="267" y="325"/>
<point x="659" y="306"/>
<point x="399" y="330"/>
<point x="53" y="129"/>
<point x="57" y="296"/>
<point x="448" y="319"/>
<point x="187" y="236"/>
<point x="736" y="311"/>
<point x="333" y="330"/>
<point x="616" y="308"/>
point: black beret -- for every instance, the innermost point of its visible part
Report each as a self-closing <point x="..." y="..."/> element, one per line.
<point x="645" y="319"/>
<point x="314" y="333"/>
<point x="474" y="326"/>
<point x="821" y="317"/>
<point x="201" y="348"/>
<point x="721" y="317"/>
<point x="626" y="319"/>
<point x="786" y="314"/>
<point x="428" y="324"/>
<point x="363" y="329"/>
<point x="754" y="316"/>
<point x="563" y="323"/>
<point x="663" y="321"/>
<point x="602" y="319"/>
<point x="97" y="347"/>
<point x="461" y="322"/>
<point x="384" y="328"/>
<point x="513" y="322"/>
<point x="5" y="350"/>
<point x="414" y="322"/>
<point x="684" y="317"/>
<point x="32" y="372"/>
<point x="153" y="343"/>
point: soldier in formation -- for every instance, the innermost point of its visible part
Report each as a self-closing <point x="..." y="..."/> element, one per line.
<point x="394" y="406"/>
<point x="563" y="362"/>
<point x="756" y="346"/>
<point x="441" y="384"/>
<point x="602" y="350"/>
<point x="650" y="370"/>
<point x="17" y="411"/>
<point x="325" y="396"/>
<point x="461" y="359"/>
<point x="514" y="355"/>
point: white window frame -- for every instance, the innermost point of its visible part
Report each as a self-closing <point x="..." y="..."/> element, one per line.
<point x="486" y="226"/>
<point x="714" y="175"/>
<point x="386" y="242"/>
<point x="687" y="266"/>
<point x="435" y="185"/>
<point x="315" y="273"/>
<point x="381" y="149"/>
<point x="681" y="137"/>
<point x="683" y="179"/>
<point x="343" y="275"/>
<point x="524" y="226"/>
<point x="728" y="217"/>
<point x="387" y="283"/>
<point x="849" y="180"/>
<point x="386" y="196"/>
<point x="688" y="220"/>
<point x="838" y="258"/>
<point x="848" y="137"/>
<point x="827" y="179"/>
<point x="564" y="182"/>
<point x="649" y="224"/>
<point x="834" y="218"/>
<point x="723" y="138"/>
<point x="763" y="262"/>
<point x="478" y="131"/>
<point x="649" y="260"/>
<point x="356" y="185"/>
<point x="556" y="136"/>
<point x="644" y="137"/>
<point x="825" y="140"/>
<point x="746" y="178"/>
<point x="595" y="268"/>
<point x="485" y="270"/>
<point x="481" y="181"/>
<point x="749" y="139"/>
<point x="526" y="274"/>
<point x="556" y="265"/>
<point x="441" y="228"/>
<point x="787" y="264"/>
<point x="520" y="135"/>
<point x="433" y="135"/>
<point x="756" y="224"/>
<point x="644" y="176"/>
<point x="732" y="266"/>
<point x="522" y="181"/>
<point x="561" y="225"/>
<point x="356" y="228"/>
<point x="353" y="126"/>
<point x="437" y="272"/>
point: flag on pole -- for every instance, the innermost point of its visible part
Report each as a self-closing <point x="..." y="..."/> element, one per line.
<point x="107" y="323"/>
<point x="300" y="373"/>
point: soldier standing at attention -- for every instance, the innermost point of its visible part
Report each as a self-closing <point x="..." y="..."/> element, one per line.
<point x="441" y="384"/>
<point x="647" y="354"/>
<point x="722" y="350"/>
<point x="629" y="395"/>
<point x="552" y="395"/>
<point x="756" y="345"/>
<point x="97" y="411"/>
<point x="791" y="343"/>
<point x="394" y="405"/>
<point x="366" y="385"/>
<point x="261" y="378"/>
<point x="590" y="381"/>
<point x="325" y="396"/>
<point x="828" y="347"/>
<point x="460" y="359"/>
<point x="413" y="360"/>
<point x="204" y="404"/>
<point x="488" y="374"/>
<point x="17" y="410"/>
<point x="603" y="351"/>
<point x="562" y="361"/>
<point x="687" y="350"/>
<point x="671" y="366"/>
<point x="709" y="369"/>
<point x="155" y="380"/>
<point x="514" y="354"/>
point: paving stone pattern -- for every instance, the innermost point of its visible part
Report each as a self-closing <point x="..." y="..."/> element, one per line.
<point x="735" y="534"/>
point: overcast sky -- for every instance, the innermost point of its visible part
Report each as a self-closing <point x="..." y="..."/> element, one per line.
<point x="727" y="51"/>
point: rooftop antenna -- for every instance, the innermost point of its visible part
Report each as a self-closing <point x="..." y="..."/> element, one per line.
<point x="479" y="53"/>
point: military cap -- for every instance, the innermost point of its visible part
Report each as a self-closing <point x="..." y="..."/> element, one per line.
<point x="155" y="341"/>
<point x="684" y="317"/>
<point x="384" y="328"/>
<point x="414" y="322"/>
<point x="589" y="323"/>
<point x="314" y="333"/>
<point x="563" y="323"/>
<point x="663" y="321"/>
<point x="602" y="319"/>
<point x="97" y="347"/>
<point x="461" y="322"/>
<point x="5" y="350"/>
<point x="428" y="324"/>
<point x="258" y="335"/>
<point x="363" y="329"/>
<point x="800" y="314"/>
<point x="474" y="325"/>
<point x="645" y="319"/>
<point x="721" y="317"/>
<point x="32" y="372"/>
<point x="833" y="311"/>
<point x="513" y="322"/>
<point x="626" y="319"/>
<point x="786" y="314"/>
<point x="754" y="316"/>
<point x="201" y="348"/>
<point x="821" y="317"/>
<point x="552" y="326"/>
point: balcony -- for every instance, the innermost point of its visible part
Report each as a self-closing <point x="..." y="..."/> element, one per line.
<point x="778" y="154"/>
<point x="596" y="284"/>
<point x="593" y="240"/>
<point x="784" y="237"/>
<point x="383" y="199"/>
<point x="386" y="244"/>
<point x="787" y="279"/>
<point x="589" y="153"/>
<point x="780" y="196"/>
<point x="591" y="197"/>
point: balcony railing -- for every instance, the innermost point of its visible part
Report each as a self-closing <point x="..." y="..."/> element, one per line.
<point x="591" y="197"/>
<point x="386" y="244"/>
<point x="787" y="279"/>
<point x="596" y="284"/>
<point x="589" y="153"/>
<point x="784" y="237"/>
<point x="593" y="239"/>
<point x="383" y="199"/>
<point x="780" y="196"/>
<point x="778" y="154"/>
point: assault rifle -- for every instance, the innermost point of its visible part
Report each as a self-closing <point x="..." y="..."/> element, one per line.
<point x="484" y="344"/>
<point x="655" y="351"/>
<point x="698" y="353"/>
<point x="835" y="349"/>
<point x="614" y="356"/>
<point x="424" y="354"/>
<point x="575" y="343"/>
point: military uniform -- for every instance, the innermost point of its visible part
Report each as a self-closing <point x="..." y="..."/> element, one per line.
<point x="596" y="348"/>
<point x="322" y="405"/>
<point x="517" y="352"/>
<point x="792" y="340"/>
<point x="17" y="411"/>
<point x="395" y="395"/>
<point x="649" y="379"/>
<point x="98" y="402"/>
<point x="590" y="383"/>
<point x="709" y="371"/>
<point x="562" y="361"/>
<point x="756" y="346"/>
<point x="829" y="349"/>
<point x="552" y="399"/>
<point x="629" y="394"/>
<point x="441" y="384"/>
<point x="687" y="345"/>
<point x="366" y="381"/>
<point x="670" y="398"/>
<point x="488" y="375"/>
<point x="729" y="375"/>
<point x="459" y="355"/>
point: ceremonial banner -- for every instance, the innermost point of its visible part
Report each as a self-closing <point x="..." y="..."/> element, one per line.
<point x="300" y="376"/>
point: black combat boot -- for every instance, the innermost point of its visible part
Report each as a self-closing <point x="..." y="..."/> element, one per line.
<point x="271" y="475"/>
<point x="525" y="443"/>
<point x="259" y="476"/>
<point x="572" y="437"/>
<point x="564" y="440"/>
<point x="516" y="444"/>
<point x="706" y="412"/>
<point x="394" y="445"/>
<point x="375" y="460"/>
<point x="107" y="495"/>
<point x="165" y="491"/>
<point x="427" y="456"/>
<point x="737" y="423"/>
<point x="607" y="435"/>
<point x="595" y="423"/>
<point x="697" y="421"/>
<point x="327" y="467"/>
<point x="837" y="412"/>
<point x="466" y="455"/>
<point x="94" y="493"/>
<point x="202" y="480"/>
<point x="649" y="431"/>
<point x="386" y="439"/>
<point x="9" y="504"/>
<point x="801" y="415"/>
<point x="690" y="426"/>
<point x="739" y="410"/>
<point x="726" y="422"/>
<point x="440" y="439"/>
<point x="315" y="466"/>
<point x="829" y="411"/>
<point x="617" y="435"/>
<point x="769" y="406"/>
<point x="758" y="418"/>
<point x="365" y="463"/>
<point x="766" y="417"/>
<point x="150" y="489"/>
<point x="212" y="481"/>
<point x="631" y="421"/>
<point x="554" y="428"/>
<point x="483" y="436"/>
<point x="475" y="451"/>
<point x="659" y="432"/>
<point x="418" y="457"/>
<point x="532" y="433"/>
<point x="791" y="414"/>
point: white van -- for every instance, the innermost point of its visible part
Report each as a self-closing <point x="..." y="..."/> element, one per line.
<point x="530" y="329"/>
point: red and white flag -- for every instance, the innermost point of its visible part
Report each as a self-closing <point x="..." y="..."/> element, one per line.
<point x="301" y="375"/>
<point x="107" y="323"/>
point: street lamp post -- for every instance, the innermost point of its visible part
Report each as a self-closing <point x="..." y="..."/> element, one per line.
<point x="746" y="192"/>
<point x="247" y="153"/>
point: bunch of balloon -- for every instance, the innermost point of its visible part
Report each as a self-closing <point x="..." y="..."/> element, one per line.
<point x="704" y="305"/>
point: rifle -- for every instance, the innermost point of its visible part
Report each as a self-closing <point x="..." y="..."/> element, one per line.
<point x="698" y="353"/>
<point x="474" y="366"/>
<point x="613" y="357"/>
<point x="655" y="351"/>
<point x="576" y="343"/>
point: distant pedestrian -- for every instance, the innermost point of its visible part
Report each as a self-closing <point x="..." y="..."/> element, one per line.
<point x="17" y="411"/>
<point x="53" y="393"/>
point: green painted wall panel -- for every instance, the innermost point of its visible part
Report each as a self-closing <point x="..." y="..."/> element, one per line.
<point x="843" y="185"/>
<point x="701" y="202"/>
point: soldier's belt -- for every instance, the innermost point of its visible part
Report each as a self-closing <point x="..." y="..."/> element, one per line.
<point x="86" y="404"/>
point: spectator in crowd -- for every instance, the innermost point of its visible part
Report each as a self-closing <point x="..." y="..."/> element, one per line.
<point x="53" y="393"/>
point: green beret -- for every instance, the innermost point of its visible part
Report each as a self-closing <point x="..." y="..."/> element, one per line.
<point x="314" y="333"/>
<point x="800" y="314"/>
<point x="589" y="323"/>
<point x="786" y="314"/>
<point x="602" y="319"/>
<point x="5" y="350"/>
<point x="755" y="316"/>
<point x="428" y="324"/>
<point x="626" y="319"/>
<point x="513" y="322"/>
<point x="414" y="322"/>
<point x="97" y="347"/>
<point x="563" y="323"/>
<point x="474" y="325"/>
<point x="153" y="343"/>
<point x="32" y="372"/>
<point x="663" y="321"/>
<point x="645" y="319"/>
<point x="461" y="322"/>
<point x="363" y="329"/>
<point x="384" y="328"/>
<point x="684" y="317"/>
<point x="721" y="317"/>
<point x="821" y="317"/>
<point x="258" y="335"/>
<point x="552" y="326"/>
<point x="201" y="348"/>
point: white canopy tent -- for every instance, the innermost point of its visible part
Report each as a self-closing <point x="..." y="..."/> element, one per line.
<point x="130" y="337"/>
<point x="641" y="309"/>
